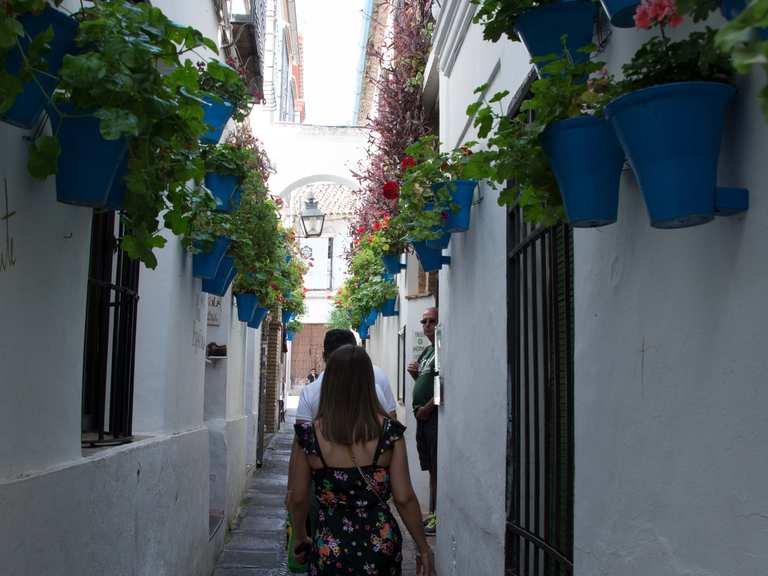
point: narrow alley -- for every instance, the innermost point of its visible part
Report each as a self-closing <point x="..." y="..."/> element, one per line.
<point x="504" y="261"/>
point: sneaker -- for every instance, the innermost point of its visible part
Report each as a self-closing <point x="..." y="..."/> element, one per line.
<point x="430" y="525"/>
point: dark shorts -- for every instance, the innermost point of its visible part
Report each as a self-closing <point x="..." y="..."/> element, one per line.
<point x="426" y="442"/>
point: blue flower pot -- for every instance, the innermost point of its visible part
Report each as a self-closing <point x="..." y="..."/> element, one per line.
<point x="216" y="115"/>
<point x="732" y="8"/>
<point x="206" y="264"/>
<point x="219" y="284"/>
<point x="362" y="330"/>
<point x="246" y="304"/>
<point x="286" y="316"/>
<point x="117" y="192"/>
<point x="671" y="135"/>
<point x="259" y="314"/>
<point x="444" y="239"/>
<point x="392" y="263"/>
<point x="462" y="193"/>
<point x="370" y="320"/>
<point x="587" y="161"/>
<point x="388" y="308"/>
<point x="222" y="186"/>
<point x="621" y="12"/>
<point x="30" y="102"/>
<point x="541" y="29"/>
<point x="289" y="335"/>
<point x="88" y="165"/>
<point x="430" y="259"/>
<point x="439" y="243"/>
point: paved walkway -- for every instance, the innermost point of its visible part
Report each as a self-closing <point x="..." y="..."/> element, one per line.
<point x="256" y="545"/>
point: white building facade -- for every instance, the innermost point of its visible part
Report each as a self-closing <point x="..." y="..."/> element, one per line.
<point x="78" y="502"/>
<point x="601" y="402"/>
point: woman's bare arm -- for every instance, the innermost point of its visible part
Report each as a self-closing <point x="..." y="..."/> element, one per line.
<point x="405" y="498"/>
<point x="299" y="478"/>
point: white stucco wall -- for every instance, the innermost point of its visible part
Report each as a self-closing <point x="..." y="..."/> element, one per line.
<point x="671" y="431"/>
<point x="170" y="344"/>
<point x="45" y="248"/>
<point x="473" y="426"/>
<point x="128" y="503"/>
<point x="137" y="510"/>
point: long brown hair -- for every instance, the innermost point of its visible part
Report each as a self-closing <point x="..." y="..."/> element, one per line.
<point x="349" y="407"/>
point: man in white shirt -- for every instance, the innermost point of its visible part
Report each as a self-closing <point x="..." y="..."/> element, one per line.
<point x="309" y="398"/>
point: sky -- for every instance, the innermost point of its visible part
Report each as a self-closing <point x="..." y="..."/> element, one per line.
<point x="333" y="32"/>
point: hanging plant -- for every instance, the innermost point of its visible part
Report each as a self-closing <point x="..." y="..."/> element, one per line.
<point x="116" y="78"/>
<point x="226" y="83"/>
<point x="399" y="119"/>
<point x="745" y="40"/>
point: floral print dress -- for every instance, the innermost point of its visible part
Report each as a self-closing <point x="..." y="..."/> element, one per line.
<point x="356" y="533"/>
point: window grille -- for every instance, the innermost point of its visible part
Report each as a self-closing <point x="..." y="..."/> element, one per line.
<point x="540" y="455"/>
<point x="110" y="337"/>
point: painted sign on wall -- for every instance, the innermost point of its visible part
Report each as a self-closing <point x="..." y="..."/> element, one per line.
<point x="214" y="310"/>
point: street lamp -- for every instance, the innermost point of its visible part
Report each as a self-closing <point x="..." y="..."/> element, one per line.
<point x="312" y="219"/>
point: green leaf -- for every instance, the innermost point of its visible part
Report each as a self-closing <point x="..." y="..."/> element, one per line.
<point x="499" y="96"/>
<point x="43" y="157"/>
<point x="84" y="70"/>
<point x="116" y="123"/>
<point x="473" y="108"/>
<point x="10" y="88"/>
<point x="10" y="30"/>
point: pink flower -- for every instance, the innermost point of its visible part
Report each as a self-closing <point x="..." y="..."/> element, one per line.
<point x="660" y="12"/>
<point x="675" y="20"/>
<point x="391" y="190"/>
<point x="643" y="17"/>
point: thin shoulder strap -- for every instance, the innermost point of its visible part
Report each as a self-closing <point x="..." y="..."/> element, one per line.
<point x="317" y="443"/>
<point x="380" y="446"/>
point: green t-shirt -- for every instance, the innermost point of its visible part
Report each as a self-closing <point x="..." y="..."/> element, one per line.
<point x="424" y="386"/>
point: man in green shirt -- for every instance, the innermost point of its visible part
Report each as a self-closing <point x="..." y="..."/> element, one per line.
<point x="422" y="371"/>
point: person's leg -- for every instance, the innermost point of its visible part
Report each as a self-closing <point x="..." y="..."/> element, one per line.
<point x="432" y="489"/>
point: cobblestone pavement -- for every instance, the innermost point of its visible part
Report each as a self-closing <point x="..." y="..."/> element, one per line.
<point x="256" y="544"/>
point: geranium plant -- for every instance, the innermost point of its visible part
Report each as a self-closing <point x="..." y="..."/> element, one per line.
<point x="116" y="76"/>
<point x="661" y="61"/>
<point x="226" y="83"/>
<point x="499" y="16"/>
<point x="515" y="159"/>
<point x="227" y="159"/>
<point x="11" y="33"/>
<point x="745" y="40"/>
<point x="422" y="207"/>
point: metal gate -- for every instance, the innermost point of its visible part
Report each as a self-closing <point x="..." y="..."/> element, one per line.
<point x="539" y="500"/>
<point x="110" y="337"/>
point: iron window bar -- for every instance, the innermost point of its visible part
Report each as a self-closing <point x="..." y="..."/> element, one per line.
<point x="110" y="338"/>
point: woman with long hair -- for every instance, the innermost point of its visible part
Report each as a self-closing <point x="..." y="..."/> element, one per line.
<point x="356" y="456"/>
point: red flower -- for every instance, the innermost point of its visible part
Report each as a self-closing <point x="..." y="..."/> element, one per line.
<point x="275" y="287"/>
<point x="361" y="229"/>
<point x="444" y="215"/>
<point x="377" y="226"/>
<point x="391" y="190"/>
<point x="408" y="162"/>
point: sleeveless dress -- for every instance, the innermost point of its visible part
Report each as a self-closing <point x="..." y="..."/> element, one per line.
<point x="355" y="533"/>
